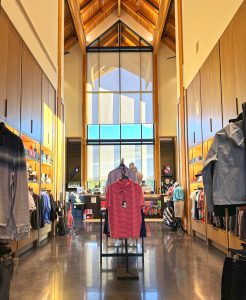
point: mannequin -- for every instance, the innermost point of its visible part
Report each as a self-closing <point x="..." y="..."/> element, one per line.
<point x="178" y="200"/>
<point x="139" y="175"/>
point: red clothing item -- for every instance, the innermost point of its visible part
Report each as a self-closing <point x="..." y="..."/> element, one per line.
<point x="124" y="201"/>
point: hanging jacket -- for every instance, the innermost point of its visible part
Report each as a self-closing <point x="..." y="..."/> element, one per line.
<point x="224" y="173"/>
<point x="14" y="203"/>
<point x="47" y="207"/>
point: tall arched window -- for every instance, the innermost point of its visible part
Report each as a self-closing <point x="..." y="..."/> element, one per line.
<point x="119" y="105"/>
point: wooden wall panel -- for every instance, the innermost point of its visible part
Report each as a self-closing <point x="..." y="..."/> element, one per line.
<point x="197" y="108"/>
<point x="228" y="74"/>
<point x="26" y="98"/>
<point x="206" y="100"/>
<point x="4" y="25"/>
<point x="14" y="78"/>
<point x="215" y="91"/>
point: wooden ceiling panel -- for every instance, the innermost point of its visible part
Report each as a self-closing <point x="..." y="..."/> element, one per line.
<point x="70" y="35"/>
<point x="90" y="10"/>
<point x="168" y="35"/>
<point x="100" y="15"/>
<point x="132" y="9"/>
<point x="149" y="13"/>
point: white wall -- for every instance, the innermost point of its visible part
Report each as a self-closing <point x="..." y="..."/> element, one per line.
<point x="167" y="83"/>
<point x="73" y="92"/>
<point x="37" y="23"/>
<point x="204" y="21"/>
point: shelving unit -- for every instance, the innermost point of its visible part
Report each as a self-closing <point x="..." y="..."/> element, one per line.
<point x="219" y="238"/>
<point x="33" y="151"/>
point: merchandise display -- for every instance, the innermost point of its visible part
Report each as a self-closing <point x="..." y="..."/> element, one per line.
<point x="124" y="201"/>
<point x="224" y="173"/>
<point x="14" y="212"/>
<point x="198" y="205"/>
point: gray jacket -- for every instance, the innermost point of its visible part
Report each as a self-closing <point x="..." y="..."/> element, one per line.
<point x="224" y="173"/>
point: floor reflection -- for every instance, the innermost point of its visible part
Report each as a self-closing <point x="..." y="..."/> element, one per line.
<point x="176" y="267"/>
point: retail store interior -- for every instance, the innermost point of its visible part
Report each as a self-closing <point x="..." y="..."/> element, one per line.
<point x="123" y="149"/>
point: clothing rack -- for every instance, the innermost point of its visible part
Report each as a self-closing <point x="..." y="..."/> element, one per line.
<point x="126" y="272"/>
<point x="241" y="116"/>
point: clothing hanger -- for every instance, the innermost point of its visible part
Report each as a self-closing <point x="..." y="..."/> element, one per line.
<point x="238" y="118"/>
<point x="123" y="172"/>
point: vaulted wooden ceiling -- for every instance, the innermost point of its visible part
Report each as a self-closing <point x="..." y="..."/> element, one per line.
<point x="168" y="35"/>
<point x="155" y="16"/>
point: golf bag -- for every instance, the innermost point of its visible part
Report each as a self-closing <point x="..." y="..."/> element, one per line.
<point x="169" y="216"/>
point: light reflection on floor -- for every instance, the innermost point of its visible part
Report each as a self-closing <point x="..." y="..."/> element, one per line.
<point x="67" y="268"/>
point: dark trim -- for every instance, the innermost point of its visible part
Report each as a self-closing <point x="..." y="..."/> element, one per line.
<point x="120" y="142"/>
<point x="119" y="49"/>
<point x="119" y="23"/>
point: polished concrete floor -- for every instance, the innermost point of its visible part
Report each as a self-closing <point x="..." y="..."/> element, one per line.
<point x="67" y="268"/>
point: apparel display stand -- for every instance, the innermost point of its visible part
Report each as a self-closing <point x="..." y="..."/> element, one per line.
<point x="125" y="272"/>
<point x="122" y="272"/>
<point x="242" y="117"/>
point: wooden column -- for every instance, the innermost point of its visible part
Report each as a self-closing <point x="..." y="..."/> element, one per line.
<point x="59" y="122"/>
<point x="156" y="123"/>
<point x="182" y="121"/>
<point x="84" y="125"/>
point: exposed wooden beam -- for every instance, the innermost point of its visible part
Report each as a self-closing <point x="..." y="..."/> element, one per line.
<point x="111" y="41"/>
<point x="70" y="43"/>
<point x="74" y="9"/>
<point x="164" y="7"/>
<point x="131" y="37"/>
<point x="100" y="16"/>
<point x="119" y="8"/>
<point x="85" y="5"/>
<point x="129" y="8"/>
<point x="151" y="6"/>
<point x="169" y="43"/>
<point x="129" y="41"/>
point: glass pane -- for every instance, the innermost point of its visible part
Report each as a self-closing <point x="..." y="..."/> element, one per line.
<point x="147" y="108"/>
<point x="146" y="71"/>
<point x="110" y="132"/>
<point x="109" y="108"/>
<point x="132" y="154"/>
<point x="92" y="72"/>
<point x="93" y="163"/>
<point x="148" y="162"/>
<point x="131" y="131"/>
<point x="92" y="108"/>
<point x="130" y="108"/>
<point x="109" y="71"/>
<point x="93" y="132"/>
<point x="109" y="156"/>
<point x="130" y="71"/>
<point x="147" y="131"/>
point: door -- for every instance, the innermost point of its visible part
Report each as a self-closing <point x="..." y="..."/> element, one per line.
<point x="26" y="97"/>
<point x="13" y="104"/>
<point x="52" y="96"/>
<point x="228" y="74"/>
<point x="205" y="99"/>
<point x="215" y="91"/>
<point x="240" y="54"/>
<point x="45" y="110"/>
<point x="190" y="106"/>
<point x="197" y="109"/>
<point x="4" y="25"/>
<point x="36" y="99"/>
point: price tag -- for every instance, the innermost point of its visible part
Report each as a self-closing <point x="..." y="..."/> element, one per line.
<point x="93" y="200"/>
<point x="123" y="203"/>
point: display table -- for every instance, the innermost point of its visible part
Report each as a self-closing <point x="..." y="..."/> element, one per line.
<point x="154" y="206"/>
